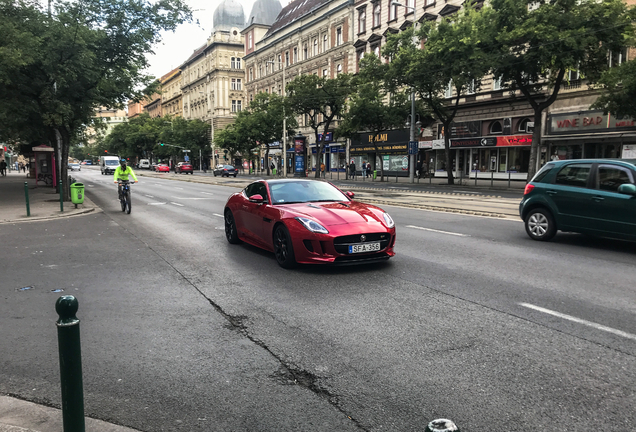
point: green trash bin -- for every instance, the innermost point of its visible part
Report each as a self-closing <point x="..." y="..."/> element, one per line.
<point x="77" y="193"/>
<point x="274" y="171"/>
<point x="375" y="175"/>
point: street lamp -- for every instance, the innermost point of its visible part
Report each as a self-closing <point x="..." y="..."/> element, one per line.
<point x="284" y="123"/>
<point x="412" y="122"/>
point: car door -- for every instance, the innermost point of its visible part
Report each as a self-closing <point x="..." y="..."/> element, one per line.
<point x="608" y="211"/>
<point x="253" y="213"/>
<point x="569" y="193"/>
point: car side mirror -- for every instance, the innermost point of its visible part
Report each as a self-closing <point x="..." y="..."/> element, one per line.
<point x="257" y="199"/>
<point x="627" y="189"/>
<point x="350" y="194"/>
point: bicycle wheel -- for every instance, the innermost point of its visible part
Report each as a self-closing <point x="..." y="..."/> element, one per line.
<point x="128" y="204"/>
<point x="122" y="200"/>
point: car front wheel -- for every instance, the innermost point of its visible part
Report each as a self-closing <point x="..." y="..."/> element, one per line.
<point x="230" y="228"/>
<point x="283" y="248"/>
<point x="540" y="225"/>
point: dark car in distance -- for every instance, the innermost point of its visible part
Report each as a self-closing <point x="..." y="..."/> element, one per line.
<point x="184" y="167"/>
<point x="225" y="171"/>
<point x="589" y="196"/>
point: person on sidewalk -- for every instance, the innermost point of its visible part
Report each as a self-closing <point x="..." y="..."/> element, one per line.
<point x="121" y="173"/>
<point x="322" y="170"/>
<point x="368" y="169"/>
<point x="3" y="168"/>
<point x="352" y="168"/>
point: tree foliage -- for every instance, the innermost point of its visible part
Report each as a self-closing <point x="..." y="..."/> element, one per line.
<point x="619" y="95"/>
<point x="321" y="101"/>
<point x="57" y="68"/>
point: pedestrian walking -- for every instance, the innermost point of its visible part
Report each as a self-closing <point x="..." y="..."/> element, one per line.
<point x="368" y="169"/>
<point x="322" y="170"/>
<point x="352" y="168"/>
<point x="3" y="168"/>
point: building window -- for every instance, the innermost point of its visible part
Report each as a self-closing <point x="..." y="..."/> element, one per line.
<point x="376" y="15"/>
<point x="235" y="62"/>
<point x="251" y="99"/>
<point x="376" y="51"/>
<point x="251" y="76"/>
<point x="338" y="69"/>
<point x="324" y="43"/>
<point x="305" y="52"/>
<point x="362" y="21"/>
<point x="573" y="75"/>
<point x="449" y="89"/>
<point x="236" y="84"/>
<point x="315" y="47"/>
<point x="339" y="36"/>
<point x="249" y="40"/>
<point x="617" y="57"/>
<point x="470" y="87"/>
<point x="526" y="125"/>
<point x="324" y="73"/>
<point x="429" y="2"/>
<point x="287" y="58"/>
<point x="237" y="105"/>
<point x="410" y="5"/>
<point x="295" y="58"/>
<point x="496" y="128"/>
<point x="392" y="11"/>
<point x="496" y="83"/>
<point x="280" y="61"/>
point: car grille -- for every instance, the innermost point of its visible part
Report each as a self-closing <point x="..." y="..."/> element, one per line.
<point x="341" y="244"/>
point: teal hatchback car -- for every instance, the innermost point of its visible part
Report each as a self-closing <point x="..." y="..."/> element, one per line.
<point x="591" y="196"/>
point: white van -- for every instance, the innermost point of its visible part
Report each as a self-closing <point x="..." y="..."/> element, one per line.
<point x="108" y="164"/>
<point x="144" y="163"/>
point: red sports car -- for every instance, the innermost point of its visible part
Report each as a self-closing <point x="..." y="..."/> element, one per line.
<point x="309" y="222"/>
<point x="162" y="168"/>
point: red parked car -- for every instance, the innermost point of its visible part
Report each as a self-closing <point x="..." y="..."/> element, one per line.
<point x="184" y="167"/>
<point x="162" y="168"/>
<point x="309" y="222"/>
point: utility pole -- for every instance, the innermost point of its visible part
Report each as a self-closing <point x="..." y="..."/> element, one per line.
<point x="284" y="120"/>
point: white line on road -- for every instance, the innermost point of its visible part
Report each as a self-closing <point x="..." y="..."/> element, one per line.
<point x="157" y="203"/>
<point x="177" y="188"/>
<point x="177" y="204"/>
<point x="207" y="193"/>
<point x="91" y="185"/>
<point x="438" y="231"/>
<point x="196" y="198"/>
<point x="216" y="214"/>
<point x="149" y="196"/>
<point x="580" y="321"/>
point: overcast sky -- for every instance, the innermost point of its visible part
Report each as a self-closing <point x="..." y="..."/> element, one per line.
<point x="178" y="46"/>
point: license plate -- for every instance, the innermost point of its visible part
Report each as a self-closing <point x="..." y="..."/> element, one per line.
<point x="367" y="247"/>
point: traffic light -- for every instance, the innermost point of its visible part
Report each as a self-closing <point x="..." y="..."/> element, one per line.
<point x="161" y="144"/>
<point x="105" y="151"/>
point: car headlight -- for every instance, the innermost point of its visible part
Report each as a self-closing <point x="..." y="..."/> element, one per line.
<point x="388" y="220"/>
<point x="312" y="225"/>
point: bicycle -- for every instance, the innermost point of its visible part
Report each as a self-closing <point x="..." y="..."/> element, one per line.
<point x="124" y="196"/>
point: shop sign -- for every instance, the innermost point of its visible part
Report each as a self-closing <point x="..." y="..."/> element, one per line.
<point x="388" y="148"/>
<point x="426" y="144"/>
<point x="629" y="151"/>
<point x="389" y="137"/>
<point x="328" y="137"/>
<point x="581" y="122"/>
<point x="42" y="148"/>
<point x="465" y="129"/>
<point x="474" y="142"/>
<point x="299" y="145"/>
<point x="514" y="140"/>
<point x="438" y="144"/>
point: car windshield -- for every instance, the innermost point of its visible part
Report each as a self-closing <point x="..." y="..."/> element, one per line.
<point x="111" y="162"/>
<point x="304" y="191"/>
<point x="228" y="167"/>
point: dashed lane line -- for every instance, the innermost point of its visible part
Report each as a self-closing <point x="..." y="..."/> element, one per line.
<point x="177" y="204"/>
<point x="438" y="231"/>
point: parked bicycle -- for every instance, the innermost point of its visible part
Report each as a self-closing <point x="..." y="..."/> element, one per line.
<point x="124" y="196"/>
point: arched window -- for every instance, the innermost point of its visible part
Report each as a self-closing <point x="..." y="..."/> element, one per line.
<point x="523" y="125"/>
<point x="495" y="127"/>
<point x="315" y="47"/>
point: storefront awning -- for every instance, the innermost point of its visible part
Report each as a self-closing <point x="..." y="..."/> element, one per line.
<point x="589" y="137"/>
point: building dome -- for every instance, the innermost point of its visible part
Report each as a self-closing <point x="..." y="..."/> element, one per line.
<point x="227" y="15"/>
<point x="264" y="12"/>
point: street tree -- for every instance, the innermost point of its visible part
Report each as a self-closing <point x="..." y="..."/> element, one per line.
<point x="619" y="90"/>
<point x="77" y="57"/>
<point x="535" y="44"/>
<point x="321" y="100"/>
<point x="373" y="108"/>
<point x="451" y="57"/>
<point x="232" y="139"/>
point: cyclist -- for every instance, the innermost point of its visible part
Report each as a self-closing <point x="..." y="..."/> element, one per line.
<point x="121" y="173"/>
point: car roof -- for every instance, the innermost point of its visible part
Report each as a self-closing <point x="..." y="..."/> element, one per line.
<point x="599" y="161"/>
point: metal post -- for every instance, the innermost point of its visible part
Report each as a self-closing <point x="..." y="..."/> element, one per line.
<point x="68" y="338"/>
<point x="475" y="177"/>
<point x="508" y="179"/>
<point x="61" y="196"/>
<point x="26" y="195"/>
<point x="284" y="128"/>
<point x="492" y="177"/>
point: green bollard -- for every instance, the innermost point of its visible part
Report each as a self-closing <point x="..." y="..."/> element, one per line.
<point x="26" y="195"/>
<point x="68" y="339"/>
<point x="61" y="196"/>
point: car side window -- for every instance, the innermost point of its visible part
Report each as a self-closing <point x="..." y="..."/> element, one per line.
<point x="261" y="189"/>
<point x="574" y="175"/>
<point x="611" y="177"/>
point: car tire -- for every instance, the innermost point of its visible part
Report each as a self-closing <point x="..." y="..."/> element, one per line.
<point x="234" y="175"/>
<point x="540" y="224"/>
<point x="214" y="174"/>
<point x="283" y="248"/>
<point x="230" y="228"/>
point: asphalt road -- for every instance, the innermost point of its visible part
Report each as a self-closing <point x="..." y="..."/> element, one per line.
<point x="181" y="331"/>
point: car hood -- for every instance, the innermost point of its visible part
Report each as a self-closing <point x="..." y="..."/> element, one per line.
<point x="330" y="214"/>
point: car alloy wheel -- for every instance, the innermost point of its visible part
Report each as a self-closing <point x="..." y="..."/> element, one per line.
<point x="230" y="228"/>
<point x="283" y="248"/>
<point x="540" y="225"/>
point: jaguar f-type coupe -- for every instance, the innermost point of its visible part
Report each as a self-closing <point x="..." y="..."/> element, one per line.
<point x="309" y="222"/>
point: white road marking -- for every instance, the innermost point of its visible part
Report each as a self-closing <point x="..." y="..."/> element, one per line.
<point x="91" y="185"/>
<point x="207" y="193"/>
<point x="177" y="188"/>
<point x="177" y="204"/>
<point x="438" y="231"/>
<point x="197" y="198"/>
<point x="580" y="321"/>
<point x="216" y="214"/>
<point x="149" y="196"/>
<point x="157" y="203"/>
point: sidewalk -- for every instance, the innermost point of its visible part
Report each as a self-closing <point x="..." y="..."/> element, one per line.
<point x="44" y="203"/>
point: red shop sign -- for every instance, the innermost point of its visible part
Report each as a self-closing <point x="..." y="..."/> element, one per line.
<point x="514" y="140"/>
